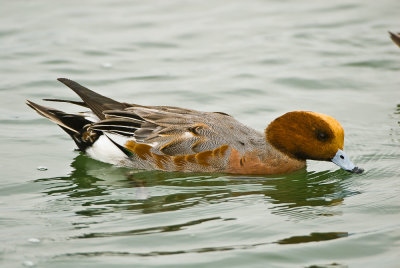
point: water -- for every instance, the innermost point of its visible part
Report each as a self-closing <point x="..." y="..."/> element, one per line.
<point x="253" y="59"/>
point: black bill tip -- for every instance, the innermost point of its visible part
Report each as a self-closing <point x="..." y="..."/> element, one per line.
<point x="357" y="170"/>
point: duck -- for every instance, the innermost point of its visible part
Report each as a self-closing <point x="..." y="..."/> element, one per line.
<point x="177" y="139"/>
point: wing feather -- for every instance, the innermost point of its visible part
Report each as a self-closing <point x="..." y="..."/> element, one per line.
<point x="175" y="131"/>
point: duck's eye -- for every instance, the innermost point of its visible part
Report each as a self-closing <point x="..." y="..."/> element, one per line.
<point x="322" y="136"/>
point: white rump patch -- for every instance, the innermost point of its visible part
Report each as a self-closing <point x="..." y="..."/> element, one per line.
<point x="104" y="150"/>
<point x="121" y="140"/>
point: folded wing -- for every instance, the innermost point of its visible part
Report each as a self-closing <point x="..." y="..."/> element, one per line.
<point x="168" y="130"/>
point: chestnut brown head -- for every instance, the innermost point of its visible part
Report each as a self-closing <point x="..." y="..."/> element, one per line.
<point x="309" y="135"/>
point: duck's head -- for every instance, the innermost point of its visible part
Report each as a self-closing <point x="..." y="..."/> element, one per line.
<point x="309" y="135"/>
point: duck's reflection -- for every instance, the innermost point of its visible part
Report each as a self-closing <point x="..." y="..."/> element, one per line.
<point x="94" y="185"/>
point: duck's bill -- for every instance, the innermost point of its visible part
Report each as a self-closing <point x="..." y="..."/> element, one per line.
<point x="344" y="162"/>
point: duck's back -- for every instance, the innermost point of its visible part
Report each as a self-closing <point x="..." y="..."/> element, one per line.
<point x="177" y="139"/>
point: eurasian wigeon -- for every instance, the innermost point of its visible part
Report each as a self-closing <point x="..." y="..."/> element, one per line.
<point x="177" y="139"/>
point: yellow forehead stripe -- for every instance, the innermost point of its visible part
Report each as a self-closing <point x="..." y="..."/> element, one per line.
<point x="335" y="126"/>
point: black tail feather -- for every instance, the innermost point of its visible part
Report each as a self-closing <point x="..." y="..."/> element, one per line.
<point x="96" y="102"/>
<point x="77" y="126"/>
<point x="74" y="125"/>
<point x="395" y="38"/>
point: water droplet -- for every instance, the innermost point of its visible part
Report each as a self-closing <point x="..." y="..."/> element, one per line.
<point x="28" y="263"/>
<point x="34" y="240"/>
<point x="42" y="168"/>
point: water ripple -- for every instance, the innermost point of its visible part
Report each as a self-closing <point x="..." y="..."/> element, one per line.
<point x="313" y="237"/>
<point x="151" y="230"/>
